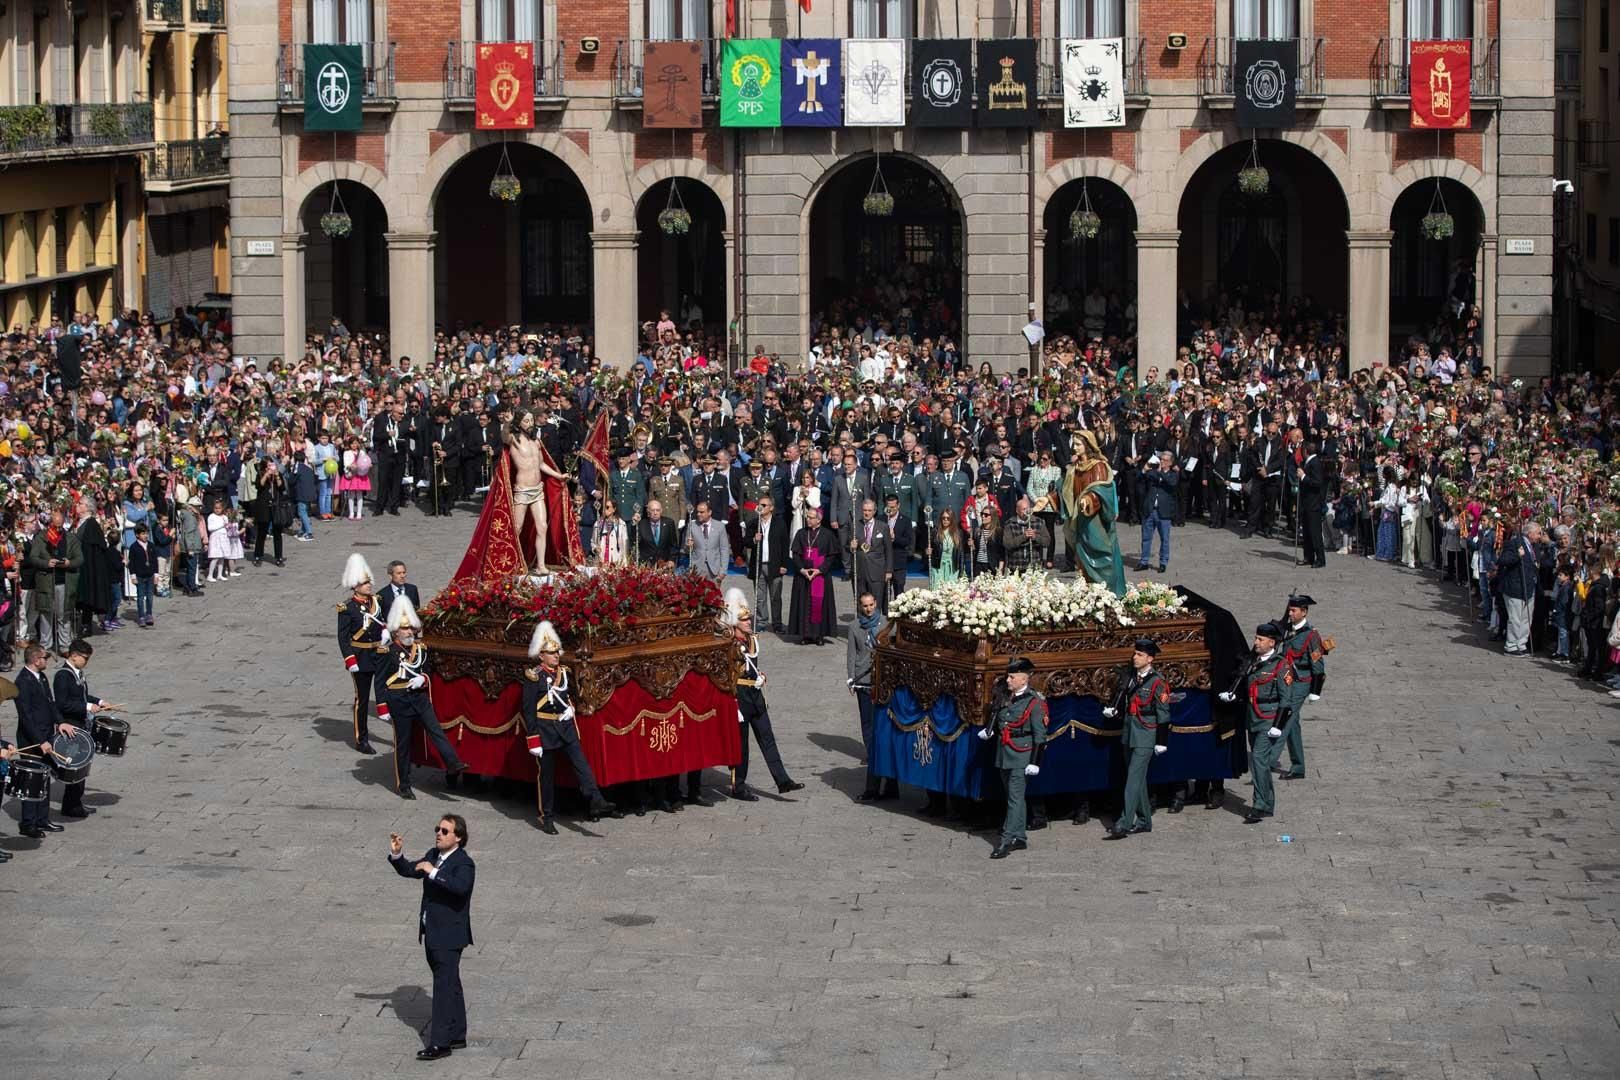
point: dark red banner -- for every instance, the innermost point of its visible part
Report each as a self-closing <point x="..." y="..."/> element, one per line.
<point x="505" y="76"/>
<point x="1440" y="72"/>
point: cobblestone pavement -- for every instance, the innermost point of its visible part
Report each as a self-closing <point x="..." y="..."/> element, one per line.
<point x="1446" y="910"/>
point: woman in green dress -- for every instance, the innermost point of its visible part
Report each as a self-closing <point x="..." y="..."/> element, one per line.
<point x="946" y="555"/>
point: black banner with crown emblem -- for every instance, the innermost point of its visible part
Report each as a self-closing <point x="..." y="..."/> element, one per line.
<point x="1006" y="82"/>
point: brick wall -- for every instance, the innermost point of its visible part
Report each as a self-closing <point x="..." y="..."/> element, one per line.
<point x="608" y="20"/>
<point x="707" y="145"/>
<point x="1160" y="18"/>
<point x="1352" y="29"/>
<point x="1467" y="146"/>
<point x="369" y="148"/>
<point x="421" y="33"/>
<point x="284" y="20"/>
<point x="1107" y="143"/>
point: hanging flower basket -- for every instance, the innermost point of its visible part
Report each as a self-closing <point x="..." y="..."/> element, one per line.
<point x="1254" y="180"/>
<point x="1085" y="224"/>
<point x="337" y="224"/>
<point x="505" y="187"/>
<point x="676" y="221"/>
<point x="1438" y="226"/>
<point x="878" y="204"/>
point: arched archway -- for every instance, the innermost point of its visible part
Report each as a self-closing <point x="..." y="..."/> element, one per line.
<point x="524" y="262"/>
<point x="869" y="265"/>
<point x="683" y="273"/>
<point x="1425" y="272"/>
<point x="345" y="276"/>
<point x="1099" y="269"/>
<point x="1268" y="248"/>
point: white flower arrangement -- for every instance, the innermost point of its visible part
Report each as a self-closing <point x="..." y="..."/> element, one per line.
<point x="1030" y="600"/>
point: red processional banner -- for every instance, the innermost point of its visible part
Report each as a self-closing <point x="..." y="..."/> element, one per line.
<point x="505" y="73"/>
<point x="1440" y="72"/>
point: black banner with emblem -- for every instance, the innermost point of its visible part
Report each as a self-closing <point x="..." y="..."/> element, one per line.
<point x="941" y="82"/>
<point x="1006" y="82"/>
<point x="1265" y="77"/>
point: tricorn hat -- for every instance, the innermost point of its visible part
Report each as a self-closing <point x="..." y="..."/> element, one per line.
<point x="1147" y="645"/>
<point x="1020" y="665"/>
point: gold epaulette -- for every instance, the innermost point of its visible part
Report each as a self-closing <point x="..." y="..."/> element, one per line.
<point x="340" y="607"/>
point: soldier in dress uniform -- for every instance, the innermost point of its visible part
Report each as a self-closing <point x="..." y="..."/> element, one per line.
<point x="668" y="487"/>
<point x="949" y="489"/>
<point x="1268" y="684"/>
<point x="626" y="485"/>
<point x="1019" y="726"/>
<point x="751" y="710"/>
<point x="360" y="638"/>
<point x="1145" y="699"/>
<point x="403" y="699"/>
<point x="1306" y="652"/>
<point x="548" y="720"/>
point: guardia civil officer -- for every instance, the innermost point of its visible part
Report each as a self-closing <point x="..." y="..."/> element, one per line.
<point x="1145" y="698"/>
<point x="548" y="718"/>
<point x="1019" y="725"/>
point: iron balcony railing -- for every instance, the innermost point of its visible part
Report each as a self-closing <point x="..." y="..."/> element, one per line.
<point x="211" y="12"/>
<point x="1392" y="69"/>
<point x="1594" y="144"/>
<point x="376" y="57"/>
<point x="461" y="69"/>
<point x="190" y="159"/>
<point x="165" y="11"/>
<point x="1217" y="61"/>
<point x="1049" y="82"/>
<point x="37" y="128"/>
<point x="629" y="60"/>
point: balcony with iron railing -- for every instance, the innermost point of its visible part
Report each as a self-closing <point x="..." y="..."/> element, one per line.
<point x="163" y="13"/>
<point x="1567" y="69"/>
<point x="210" y="13"/>
<point x="1593" y="146"/>
<point x="461" y="73"/>
<point x="1392" y="73"/>
<point x="629" y="75"/>
<point x="1216" y="72"/>
<point x="73" y="130"/>
<point x="188" y="163"/>
<point x="376" y="60"/>
<point x="1049" y="80"/>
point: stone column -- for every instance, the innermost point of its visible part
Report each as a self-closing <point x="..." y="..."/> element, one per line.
<point x="410" y="295"/>
<point x="1369" y="297"/>
<point x="730" y="237"/>
<point x="293" y="316"/>
<point x="613" y="286"/>
<point x="1037" y="288"/>
<point x="1485" y="275"/>
<point x="1155" y="299"/>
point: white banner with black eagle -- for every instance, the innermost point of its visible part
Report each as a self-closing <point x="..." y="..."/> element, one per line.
<point x="1093" y="82"/>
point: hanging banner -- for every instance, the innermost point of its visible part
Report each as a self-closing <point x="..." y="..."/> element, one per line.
<point x="941" y="82"/>
<point x="1093" y="82"/>
<point x="874" y="82"/>
<point x="1265" y="76"/>
<point x="1006" y="81"/>
<point x="1440" y="72"/>
<point x="672" y="85"/>
<point x="812" y="83"/>
<point x="334" y="81"/>
<point x="505" y="75"/>
<point x="751" y="83"/>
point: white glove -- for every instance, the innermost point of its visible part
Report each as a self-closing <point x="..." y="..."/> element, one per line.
<point x="984" y="733"/>
<point x="1110" y="712"/>
<point x="538" y="751"/>
<point x="741" y="719"/>
<point x="387" y="635"/>
<point x="1227" y="696"/>
<point x="567" y="715"/>
<point x="1313" y="697"/>
<point x="1274" y="733"/>
<point x="1160" y="749"/>
<point x="417" y="682"/>
<point x="1032" y="770"/>
<point x="762" y="681"/>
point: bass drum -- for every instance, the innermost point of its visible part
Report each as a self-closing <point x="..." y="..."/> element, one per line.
<point x="70" y="756"/>
<point x="112" y="734"/>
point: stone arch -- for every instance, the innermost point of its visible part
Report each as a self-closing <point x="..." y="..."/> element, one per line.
<point x="655" y="172"/>
<point x="610" y="210"/>
<point x="1122" y="176"/>
<point x="1392" y="185"/>
<point x="315" y="177"/>
<point x="1314" y="143"/>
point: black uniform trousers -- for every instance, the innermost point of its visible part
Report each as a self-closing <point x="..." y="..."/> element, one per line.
<point x="1310" y="527"/>
<point x="390" y="474"/>
<point x="548" y="773"/>
<point x="34" y="813"/>
<point x="72" y="797"/>
<point x="449" y="1023"/>
<point x="406" y="715"/>
<point x="751" y="703"/>
<point x="362" y="703"/>
<point x="868" y="711"/>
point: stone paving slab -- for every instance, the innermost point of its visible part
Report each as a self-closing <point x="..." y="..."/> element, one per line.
<point x="1447" y="910"/>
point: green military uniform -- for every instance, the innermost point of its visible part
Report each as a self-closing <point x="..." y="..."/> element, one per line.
<point x="1270" y="693"/>
<point x="1019" y="727"/>
<point x="629" y="491"/>
<point x="751" y="489"/>
<point x="1302" y="645"/>
<point x="946" y="491"/>
<point x="905" y="489"/>
<point x="1145" y="725"/>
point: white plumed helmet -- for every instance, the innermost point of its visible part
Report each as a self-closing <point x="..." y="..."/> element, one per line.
<point x="356" y="571"/>
<point x="736" y="606"/>
<point x="545" y="637"/>
<point x="403" y="613"/>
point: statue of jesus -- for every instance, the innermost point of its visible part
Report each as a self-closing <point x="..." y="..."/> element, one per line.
<point x="530" y="464"/>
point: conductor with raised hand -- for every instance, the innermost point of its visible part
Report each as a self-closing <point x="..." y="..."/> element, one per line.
<point x="444" y="926"/>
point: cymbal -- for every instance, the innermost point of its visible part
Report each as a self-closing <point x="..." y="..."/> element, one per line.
<point x="8" y="689"/>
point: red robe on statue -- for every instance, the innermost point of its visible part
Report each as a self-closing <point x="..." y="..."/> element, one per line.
<point x="495" y="553"/>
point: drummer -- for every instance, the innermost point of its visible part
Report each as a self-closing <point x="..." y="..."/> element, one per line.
<point x="38" y="723"/>
<point x="76" y="704"/>
<point x="7" y="752"/>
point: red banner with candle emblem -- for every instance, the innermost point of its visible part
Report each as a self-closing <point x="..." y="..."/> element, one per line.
<point x="505" y="99"/>
<point x="1440" y="73"/>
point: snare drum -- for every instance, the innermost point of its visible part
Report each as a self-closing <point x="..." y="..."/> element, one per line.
<point x="70" y="756"/>
<point x="28" y="780"/>
<point x="111" y="735"/>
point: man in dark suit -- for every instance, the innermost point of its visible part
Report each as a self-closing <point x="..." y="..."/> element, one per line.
<point x="1313" y="483"/>
<point x="654" y="544"/>
<point x="1267" y="456"/>
<point x="766" y="539"/>
<point x="871" y="554"/>
<point x="443" y="926"/>
<point x="443" y="468"/>
<point x="902" y="536"/>
<point x="397" y="586"/>
<point x="390" y="446"/>
<point x="75" y="703"/>
<point x="38" y="723"/>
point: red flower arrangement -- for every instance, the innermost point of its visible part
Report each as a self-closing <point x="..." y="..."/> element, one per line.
<point x="575" y="602"/>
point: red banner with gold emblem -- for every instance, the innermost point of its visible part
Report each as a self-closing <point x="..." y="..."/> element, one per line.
<point x="505" y="98"/>
<point x="1440" y="72"/>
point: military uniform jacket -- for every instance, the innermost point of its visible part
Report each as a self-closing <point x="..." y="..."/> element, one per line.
<point x="1303" y="648"/>
<point x="947" y="491"/>
<point x="670" y="491"/>
<point x="905" y="487"/>
<point x="548" y="702"/>
<point x="1020" y="729"/>
<point x="1147" y="710"/>
<point x="629" y="492"/>
<point x="360" y="636"/>
<point x="750" y="680"/>
<point x="394" y="674"/>
<point x="1270" y="684"/>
